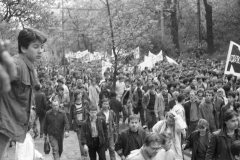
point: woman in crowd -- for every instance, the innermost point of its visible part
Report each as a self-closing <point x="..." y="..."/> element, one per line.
<point x="220" y="143"/>
<point x="198" y="140"/>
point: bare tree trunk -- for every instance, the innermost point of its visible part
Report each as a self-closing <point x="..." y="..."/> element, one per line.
<point x="113" y="48"/>
<point x="199" y="22"/>
<point x="174" y="27"/>
<point x="209" y="26"/>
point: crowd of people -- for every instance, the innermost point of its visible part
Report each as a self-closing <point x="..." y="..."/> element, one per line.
<point x="153" y="114"/>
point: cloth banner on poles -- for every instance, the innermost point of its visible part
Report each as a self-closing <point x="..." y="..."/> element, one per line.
<point x="233" y="60"/>
<point x="159" y="56"/>
<point x="136" y="53"/>
<point x="171" y="61"/>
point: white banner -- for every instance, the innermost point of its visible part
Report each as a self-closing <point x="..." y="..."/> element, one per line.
<point x="233" y="60"/>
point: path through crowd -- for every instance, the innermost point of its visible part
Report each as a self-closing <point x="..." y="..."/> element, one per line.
<point x="70" y="151"/>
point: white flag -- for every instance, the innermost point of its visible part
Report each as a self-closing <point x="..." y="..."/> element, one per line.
<point x="171" y="61"/>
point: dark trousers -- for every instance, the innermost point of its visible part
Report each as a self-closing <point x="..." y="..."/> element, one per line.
<point x="57" y="146"/>
<point x="151" y="118"/>
<point x="41" y="121"/>
<point x="79" y="139"/>
<point x="4" y="141"/>
<point x="141" y="111"/>
<point x="93" y="150"/>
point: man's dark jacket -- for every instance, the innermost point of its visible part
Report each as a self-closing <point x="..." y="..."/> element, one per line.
<point x="41" y="103"/>
<point x="124" y="144"/>
<point x="55" y="125"/>
<point x="187" y="108"/>
<point x="220" y="146"/>
<point x="193" y="143"/>
<point x="86" y="133"/>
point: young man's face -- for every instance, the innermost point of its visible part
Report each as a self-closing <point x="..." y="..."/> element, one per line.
<point x="134" y="124"/>
<point x="153" y="149"/>
<point x="55" y="105"/>
<point x="208" y="97"/>
<point x="33" y="52"/>
<point x="93" y="114"/>
<point x="232" y="123"/>
<point x="105" y="105"/>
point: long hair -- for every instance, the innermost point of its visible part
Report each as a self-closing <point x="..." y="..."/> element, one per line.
<point x="229" y="114"/>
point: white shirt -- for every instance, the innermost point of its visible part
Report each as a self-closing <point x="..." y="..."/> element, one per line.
<point x="120" y="87"/>
<point x="106" y="113"/>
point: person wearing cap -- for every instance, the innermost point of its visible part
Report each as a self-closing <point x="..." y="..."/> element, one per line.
<point x="220" y="143"/>
<point x="94" y="136"/>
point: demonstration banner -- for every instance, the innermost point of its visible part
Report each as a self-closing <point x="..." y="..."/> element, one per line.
<point x="233" y="60"/>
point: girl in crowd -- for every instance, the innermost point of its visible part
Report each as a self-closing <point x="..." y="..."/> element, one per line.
<point x="198" y="140"/>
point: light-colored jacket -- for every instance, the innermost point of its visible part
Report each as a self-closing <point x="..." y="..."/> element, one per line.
<point x="179" y="128"/>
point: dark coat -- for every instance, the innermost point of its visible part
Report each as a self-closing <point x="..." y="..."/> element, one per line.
<point x="115" y="105"/>
<point x="112" y="130"/>
<point x="187" y="108"/>
<point x="86" y="133"/>
<point x="41" y="104"/>
<point x="55" y="125"/>
<point x="193" y="143"/>
<point x="15" y="105"/>
<point x="123" y="141"/>
<point x="219" y="146"/>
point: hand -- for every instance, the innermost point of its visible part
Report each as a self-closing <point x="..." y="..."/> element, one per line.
<point x="123" y="157"/>
<point x="66" y="134"/>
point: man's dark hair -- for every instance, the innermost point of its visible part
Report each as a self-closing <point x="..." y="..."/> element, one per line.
<point x="235" y="148"/>
<point x="231" y="94"/>
<point x="27" y="36"/>
<point x="133" y="117"/>
<point x="37" y="87"/>
<point x="151" y="137"/>
<point x="180" y="98"/>
<point x="113" y="94"/>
